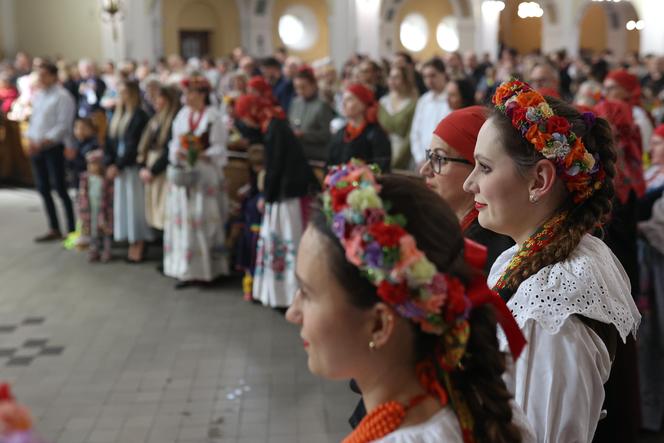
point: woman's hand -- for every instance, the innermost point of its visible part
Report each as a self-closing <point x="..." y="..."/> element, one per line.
<point x="145" y="175"/>
<point x="112" y="172"/>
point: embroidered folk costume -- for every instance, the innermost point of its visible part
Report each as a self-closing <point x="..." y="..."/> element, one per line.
<point x="559" y="380"/>
<point x="377" y="243"/>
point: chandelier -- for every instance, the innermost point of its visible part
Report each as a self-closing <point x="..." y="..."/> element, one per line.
<point x="111" y="12"/>
<point x="530" y="9"/>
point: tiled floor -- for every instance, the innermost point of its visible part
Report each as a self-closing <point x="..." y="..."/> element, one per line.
<point x="111" y="353"/>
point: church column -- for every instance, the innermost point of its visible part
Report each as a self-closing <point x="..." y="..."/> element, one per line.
<point x="652" y="36"/>
<point x="142" y="30"/>
<point x="560" y="27"/>
<point x="467" y="32"/>
<point x="342" y="26"/>
<point x="486" y="34"/>
<point x="367" y="31"/>
<point x="7" y="29"/>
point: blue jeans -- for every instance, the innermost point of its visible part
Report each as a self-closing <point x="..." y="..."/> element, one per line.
<point x="48" y="169"/>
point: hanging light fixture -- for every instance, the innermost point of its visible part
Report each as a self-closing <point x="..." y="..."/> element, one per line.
<point x="111" y="12"/>
<point x="530" y="9"/>
<point x="490" y="7"/>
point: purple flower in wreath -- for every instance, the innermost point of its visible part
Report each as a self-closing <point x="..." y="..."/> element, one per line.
<point x="410" y="310"/>
<point x="339" y="225"/>
<point x="334" y="178"/>
<point x="373" y="255"/>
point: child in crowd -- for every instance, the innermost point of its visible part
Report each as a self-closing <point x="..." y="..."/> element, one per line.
<point x="252" y="208"/>
<point x="85" y="141"/>
<point x="96" y="207"/>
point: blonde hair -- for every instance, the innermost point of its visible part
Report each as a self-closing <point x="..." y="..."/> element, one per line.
<point x="124" y="111"/>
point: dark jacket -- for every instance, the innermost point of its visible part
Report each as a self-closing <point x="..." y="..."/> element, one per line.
<point x="87" y="104"/>
<point x="372" y="146"/>
<point x="287" y="172"/>
<point x="113" y="152"/>
<point x="284" y="91"/>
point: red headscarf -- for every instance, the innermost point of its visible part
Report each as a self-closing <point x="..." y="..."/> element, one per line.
<point x="261" y="86"/>
<point x="659" y="130"/>
<point x="197" y="82"/>
<point x="629" y="168"/>
<point x="460" y="128"/>
<point x="629" y="82"/>
<point x="258" y="109"/>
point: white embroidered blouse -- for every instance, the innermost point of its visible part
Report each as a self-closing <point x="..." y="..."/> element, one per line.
<point x="559" y="378"/>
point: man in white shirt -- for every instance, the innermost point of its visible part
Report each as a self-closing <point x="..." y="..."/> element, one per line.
<point x="53" y="111"/>
<point x="431" y="108"/>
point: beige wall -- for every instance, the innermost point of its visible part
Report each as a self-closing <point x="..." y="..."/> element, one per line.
<point x="593" y="28"/>
<point x="321" y="48"/>
<point x="524" y="35"/>
<point x="220" y="17"/>
<point x="67" y="28"/>
<point x="433" y="12"/>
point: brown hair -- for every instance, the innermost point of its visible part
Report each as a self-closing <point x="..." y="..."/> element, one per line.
<point x="436" y="231"/>
<point x="582" y="218"/>
<point x="408" y="77"/>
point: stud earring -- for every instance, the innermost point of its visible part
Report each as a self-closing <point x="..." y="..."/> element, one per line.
<point x="372" y="345"/>
<point x="533" y="198"/>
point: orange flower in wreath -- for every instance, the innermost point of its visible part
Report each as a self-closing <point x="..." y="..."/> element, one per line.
<point x="528" y="99"/>
<point x="502" y="93"/>
<point x="537" y="138"/>
<point x="577" y="153"/>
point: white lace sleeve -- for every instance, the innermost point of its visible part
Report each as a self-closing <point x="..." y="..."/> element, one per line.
<point x="559" y="381"/>
<point x="590" y="282"/>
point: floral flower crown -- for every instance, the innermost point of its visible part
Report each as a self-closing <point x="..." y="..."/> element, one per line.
<point x="387" y="255"/>
<point x="552" y="136"/>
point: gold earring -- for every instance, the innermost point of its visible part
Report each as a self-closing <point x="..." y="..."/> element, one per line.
<point x="372" y="345"/>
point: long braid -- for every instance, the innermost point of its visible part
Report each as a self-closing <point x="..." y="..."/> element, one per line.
<point x="582" y="218"/>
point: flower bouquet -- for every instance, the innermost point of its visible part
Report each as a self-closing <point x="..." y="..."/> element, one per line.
<point x="186" y="175"/>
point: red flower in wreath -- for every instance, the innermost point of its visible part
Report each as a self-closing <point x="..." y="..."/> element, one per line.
<point x="339" y="196"/>
<point x="456" y="302"/>
<point x="393" y="294"/>
<point x="386" y="235"/>
<point x="557" y="124"/>
<point x="518" y="116"/>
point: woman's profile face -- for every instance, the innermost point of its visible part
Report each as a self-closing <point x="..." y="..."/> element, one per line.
<point x="500" y="192"/>
<point x="335" y="334"/>
<point x="454" y="98"/>
<point x="448" y="183"/>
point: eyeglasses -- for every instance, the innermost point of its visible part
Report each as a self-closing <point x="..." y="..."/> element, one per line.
<point x="438" y="161"/>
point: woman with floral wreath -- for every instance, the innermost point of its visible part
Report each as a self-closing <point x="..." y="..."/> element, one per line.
<point x="392" y="296"/>
<point x="196" y="200"/>
<point x="544" y="176"/>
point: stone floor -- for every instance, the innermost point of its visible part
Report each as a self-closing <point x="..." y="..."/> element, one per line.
<point x="111" y="353"/>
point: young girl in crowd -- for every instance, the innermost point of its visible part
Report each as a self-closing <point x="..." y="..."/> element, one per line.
<point x="544" y="176"/>
<point x="95" y="202"/>
<point x="392" y="296"/>
<point x="121" y="151"/>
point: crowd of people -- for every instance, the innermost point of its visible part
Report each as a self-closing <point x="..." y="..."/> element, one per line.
<point x="558" y="177"/>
